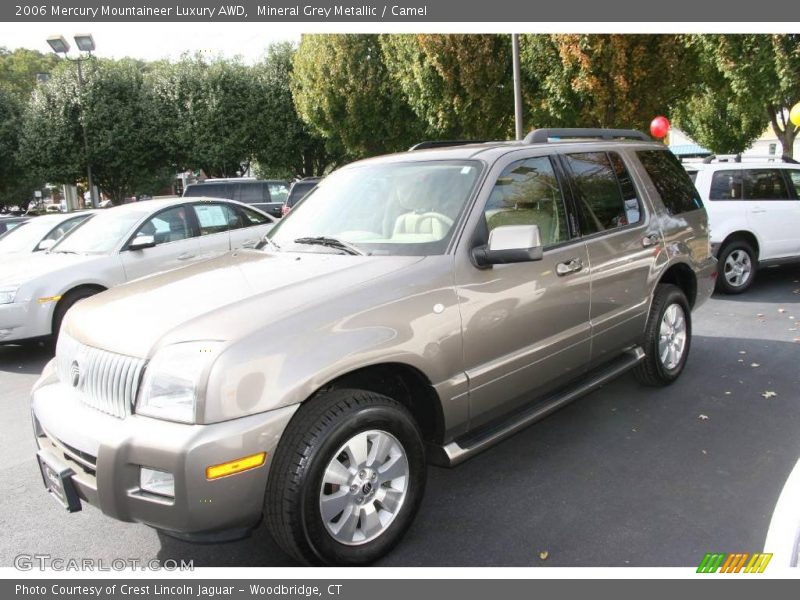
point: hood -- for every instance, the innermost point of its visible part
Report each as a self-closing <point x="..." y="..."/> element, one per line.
<point x="232" y="295"/>
<point x="17" y="269"/>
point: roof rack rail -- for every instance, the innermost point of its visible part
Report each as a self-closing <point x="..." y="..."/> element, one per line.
<point x="542" y="136"/>
<point x="737" y="158"/>
<point x="444" y="144"/>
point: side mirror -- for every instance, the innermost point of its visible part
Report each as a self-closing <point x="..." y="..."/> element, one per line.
<point x="509" y="244"/>
<point x="45" y="245"/>
<point x="140" y="242"/>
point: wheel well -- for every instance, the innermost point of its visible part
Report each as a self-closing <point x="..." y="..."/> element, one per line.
<point x="682" y="276"/>
<point x="65" y="296"/>
<point x="744" y="236"/>
<point x="405" y="384"/>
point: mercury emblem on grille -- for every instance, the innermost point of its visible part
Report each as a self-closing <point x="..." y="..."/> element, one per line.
<point x="75" y="373"/>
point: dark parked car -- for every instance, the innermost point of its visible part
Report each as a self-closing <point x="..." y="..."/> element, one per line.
<point x="298" y="191"/>
<point x="9" y="223"/>
<point x="267" y="195"/>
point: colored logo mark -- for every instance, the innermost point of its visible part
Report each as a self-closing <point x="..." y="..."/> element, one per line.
<point x="714" y="562"/>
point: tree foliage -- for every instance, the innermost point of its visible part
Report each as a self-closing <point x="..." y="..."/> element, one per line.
<point x="284" y="146"/>
<point x="19" y="68"/>
<point x="762" y="71"/>
<point x="118" y="112"/>
<point x="461" y="86"/>
<point x="604" y="80"/>
<point x="343" y="90"/>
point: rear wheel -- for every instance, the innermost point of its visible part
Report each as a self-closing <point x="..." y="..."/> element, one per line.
<point x="737" y="267"/>
<point x="346" y="480"/>
<point x="667" y="337"/>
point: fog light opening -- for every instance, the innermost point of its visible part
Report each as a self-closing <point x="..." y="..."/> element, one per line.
<point x="157" y="482"/>
<point x="236" y="466"/>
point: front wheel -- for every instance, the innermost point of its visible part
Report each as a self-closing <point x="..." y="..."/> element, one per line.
<point x="667" y="337"/>
<point x="346" y="480"/>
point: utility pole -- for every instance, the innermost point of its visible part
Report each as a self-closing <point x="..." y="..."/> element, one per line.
<point x="517" y="86"/>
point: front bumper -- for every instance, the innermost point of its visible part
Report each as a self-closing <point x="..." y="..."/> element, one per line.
<point x="25" y="320"/>
<point x="106" y="454"/>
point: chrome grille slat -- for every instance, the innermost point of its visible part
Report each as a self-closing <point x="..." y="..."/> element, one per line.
<point x="108" y="381"/>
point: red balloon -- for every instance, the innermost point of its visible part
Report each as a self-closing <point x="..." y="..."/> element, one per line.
<point x="659" y="127"/>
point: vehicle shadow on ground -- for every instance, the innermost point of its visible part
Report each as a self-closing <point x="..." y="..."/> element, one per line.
<point x="771" y="285"/>
<point x="28" y="358"/>
<point x="626" y="476"/>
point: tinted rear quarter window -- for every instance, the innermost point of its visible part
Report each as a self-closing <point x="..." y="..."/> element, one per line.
<point x="298" y="191"/>
<point x="726" y="185"/>
<point x="212" y="190"/>
<point x="670" y="180"/>
<point x="252" y="192"/>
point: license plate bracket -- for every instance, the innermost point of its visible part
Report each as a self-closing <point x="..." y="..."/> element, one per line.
<point x="57" y="478"/>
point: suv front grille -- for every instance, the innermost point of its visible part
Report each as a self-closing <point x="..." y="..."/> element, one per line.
<point x="105" y="380"/>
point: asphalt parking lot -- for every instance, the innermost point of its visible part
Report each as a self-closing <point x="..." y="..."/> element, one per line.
<point x="627" y="476"/>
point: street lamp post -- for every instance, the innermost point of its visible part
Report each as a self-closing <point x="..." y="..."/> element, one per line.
<point x="517" y="86"/>
<point x="85" y="43"/>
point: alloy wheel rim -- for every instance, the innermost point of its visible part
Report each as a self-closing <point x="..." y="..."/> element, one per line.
<point x="672" y="336"/>
<point x="738" y="268"/>
<point x="364" y="487"/>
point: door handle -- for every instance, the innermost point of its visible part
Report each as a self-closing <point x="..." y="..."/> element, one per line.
<point x="185" y="256"/>
<point x="758" y="210"/>
<point x="571" y="266"/>
<point x="650" y="240"/>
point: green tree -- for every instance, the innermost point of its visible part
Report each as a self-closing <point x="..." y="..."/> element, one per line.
<point x="125" y="147"/>
<point x="604" y="80"/>
<point x="459" y="85"/>
<point x="284" y="146"/>
<point x="208" y="109"/>
<point x="715" y="116"/>
<point x="342" y="89"/>
<point x="19" y="68"/>
<point x="762" y="71"/>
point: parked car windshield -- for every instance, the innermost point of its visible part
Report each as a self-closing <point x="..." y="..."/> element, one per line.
<point x="102" y="233"/>
<point x="383" y="209"/>
<point x="24" y="239"/>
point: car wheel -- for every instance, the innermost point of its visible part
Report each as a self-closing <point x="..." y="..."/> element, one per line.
<point x="737" y="267"/>
<point x="346" y="480"/>
<point x="67" y="302"/>
<point x="668" y="337"/>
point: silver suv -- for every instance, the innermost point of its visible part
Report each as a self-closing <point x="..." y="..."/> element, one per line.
<point x="414" y="308"/>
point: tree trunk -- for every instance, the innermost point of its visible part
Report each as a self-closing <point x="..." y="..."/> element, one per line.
<point x="784" y="130"/>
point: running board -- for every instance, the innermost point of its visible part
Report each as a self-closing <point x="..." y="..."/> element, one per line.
<point x="469" y="445"/>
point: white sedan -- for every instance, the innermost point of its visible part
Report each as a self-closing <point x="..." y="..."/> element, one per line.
<point x="115" y="246"/>
<point x="40" y="233"/>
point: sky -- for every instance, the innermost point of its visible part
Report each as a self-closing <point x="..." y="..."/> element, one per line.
<point x="152" y="41"/>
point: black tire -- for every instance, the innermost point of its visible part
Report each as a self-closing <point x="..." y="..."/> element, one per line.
<point x="67" y="302"/>
<point x="652" y="371"/>
<point x="317" y="431"/>
<point x="725" y="286"/>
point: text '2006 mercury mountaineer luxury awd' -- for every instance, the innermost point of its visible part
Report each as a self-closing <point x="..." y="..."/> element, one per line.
<point x="413" y="308"/>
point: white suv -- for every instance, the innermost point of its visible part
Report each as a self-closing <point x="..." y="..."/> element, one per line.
<point x="754" y="215"/>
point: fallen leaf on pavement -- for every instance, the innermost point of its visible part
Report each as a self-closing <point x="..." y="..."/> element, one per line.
<point x="544" y="554"/>
<point x="703" y="417"/>
<point x="755" y="365"/>
<point x="769" y="394"/>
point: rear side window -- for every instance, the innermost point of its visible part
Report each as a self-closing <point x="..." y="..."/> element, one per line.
<point x="726" y="185"/>
<point x="212" y="190"/>
<point x="216" y="218"/>
<point x="278" y="192"/>
<point x="670" y="180"/>
<point x="252" y="217"/>
<point x="605" y="192"/>
<point x="299" y="191"/>
<point x="764" y="184"/>
<point x="250" y="193"/>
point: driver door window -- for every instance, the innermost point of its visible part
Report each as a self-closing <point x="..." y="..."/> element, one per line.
<point x="527" y="193"/>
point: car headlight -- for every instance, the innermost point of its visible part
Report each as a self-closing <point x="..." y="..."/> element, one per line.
<point x="172" y="379"/>
<point x="7" y="295"/>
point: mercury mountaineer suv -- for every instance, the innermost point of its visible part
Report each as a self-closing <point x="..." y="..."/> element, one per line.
<point x="414" y="308"/>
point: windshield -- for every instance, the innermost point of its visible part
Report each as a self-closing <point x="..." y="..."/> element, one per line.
<point x="383" y="209"/>
<point x="102" y="233"/>
<point x="25" y="239"/>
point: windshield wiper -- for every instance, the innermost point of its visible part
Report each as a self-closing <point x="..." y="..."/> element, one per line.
<point x="329" y="242"/>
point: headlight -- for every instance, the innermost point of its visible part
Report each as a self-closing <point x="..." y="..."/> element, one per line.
<point x="7" y="295"/>
<point x="172" y="378"/>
